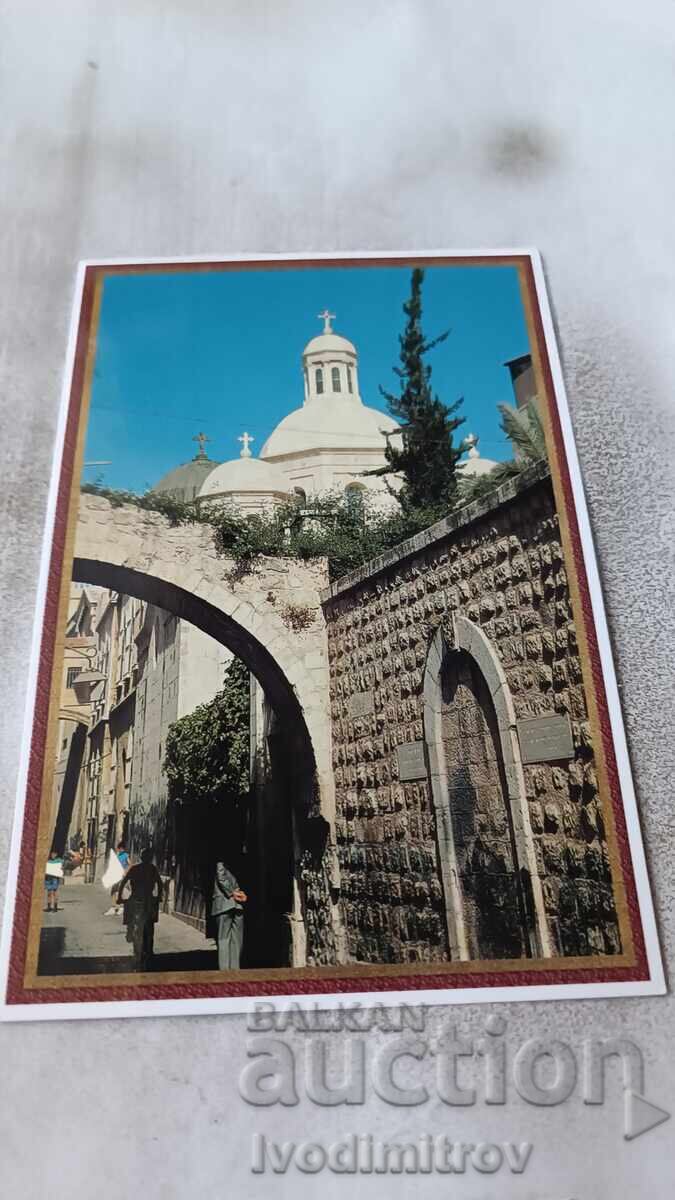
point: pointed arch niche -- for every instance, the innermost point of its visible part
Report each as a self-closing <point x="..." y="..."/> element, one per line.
<point x="493" y="897"/>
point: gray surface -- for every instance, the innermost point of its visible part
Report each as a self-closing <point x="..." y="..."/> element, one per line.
<point x="165" y="128"/>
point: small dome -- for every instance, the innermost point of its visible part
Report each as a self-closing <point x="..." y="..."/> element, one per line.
<point x="244" y="475"/>
<point x="328" y="343"/>
<point x="184" y="482"/>
<point x="473" y="464"/>
<point x="318" y="426"/>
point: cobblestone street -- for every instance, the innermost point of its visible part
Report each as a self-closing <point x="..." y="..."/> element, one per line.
<point x="80" y="939"/>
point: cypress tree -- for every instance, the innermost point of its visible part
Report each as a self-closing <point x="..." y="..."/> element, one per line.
<point x="427" y="457"/>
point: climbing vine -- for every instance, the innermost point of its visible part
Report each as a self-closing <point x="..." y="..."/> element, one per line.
<point x="207" y="751"/>
<point x="329" y="527"/>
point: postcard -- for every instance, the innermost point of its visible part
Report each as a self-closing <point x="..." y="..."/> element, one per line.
<point x="322" y="707"/>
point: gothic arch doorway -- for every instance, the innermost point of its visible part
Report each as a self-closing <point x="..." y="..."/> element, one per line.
<point x="284" y="826"/>
<point x="494" y="904"/>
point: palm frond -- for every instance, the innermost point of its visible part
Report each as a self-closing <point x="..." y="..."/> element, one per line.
<point x="524" y="428"/>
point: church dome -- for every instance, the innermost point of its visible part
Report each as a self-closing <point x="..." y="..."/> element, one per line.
<point x="244" y="476"/>
<point x="329" y="343"/>
<point x="316" y="426"/>
<point x="333" y="416"/>
<point x="184" y="482"/>
<point x="473" y="464"/>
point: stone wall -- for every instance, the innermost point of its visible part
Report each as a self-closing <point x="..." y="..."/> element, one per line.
<point x="499" y="568"/>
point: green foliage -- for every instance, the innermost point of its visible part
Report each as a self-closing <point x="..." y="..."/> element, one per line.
<point x="346" y="530"/>
<point x="523" y="426"/>
<point x="427" y="457"/>
<point x="524" y="429"/>
<point x="207" y="751"/>
<point x="176" y="511"/>
<point x="330" y="527"/>
<point x="473" y="487"/>
<point x="333" y="527"/>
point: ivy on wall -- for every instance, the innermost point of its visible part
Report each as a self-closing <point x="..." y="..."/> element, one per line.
<point x="207" y="751"/>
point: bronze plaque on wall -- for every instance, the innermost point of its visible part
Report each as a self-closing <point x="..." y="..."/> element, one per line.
<point x="411" y="761"/>
<point x="545" y="739"/>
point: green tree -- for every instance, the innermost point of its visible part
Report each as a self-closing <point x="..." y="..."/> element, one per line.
<point x="427" y="456"/>
<point x="207" y="751"/>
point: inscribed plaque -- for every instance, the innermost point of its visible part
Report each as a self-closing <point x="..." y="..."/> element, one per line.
<point x="545" y="739"/>
<point x="411" y="761"/>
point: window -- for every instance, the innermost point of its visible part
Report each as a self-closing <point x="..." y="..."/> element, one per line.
<point x="350" y="381"/>
<point x="354" y="498"/>
<point x="319" y="380"/>
<point x="335" y="379"/>
<point x="72" y="675"/>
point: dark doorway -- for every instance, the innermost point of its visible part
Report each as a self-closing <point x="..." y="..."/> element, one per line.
<point x="497" y="904"/>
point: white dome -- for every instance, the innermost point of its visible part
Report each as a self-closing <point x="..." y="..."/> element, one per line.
<point x="343" y="424"/>
<point x="473" y="464"/>
<point x="329" y="343"/>
<point x="244" y="475"/>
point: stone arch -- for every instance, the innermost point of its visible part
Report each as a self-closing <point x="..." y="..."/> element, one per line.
<point x="217" y="623"/>
<point x="184" y="558"/>
<point x="179" y="568"/>
<point x="468" y="642"/>
<point x="297" y="761"/>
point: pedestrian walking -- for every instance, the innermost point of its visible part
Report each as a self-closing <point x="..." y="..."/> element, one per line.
<point x="228" y="913"/>
<point x="141" y="910"/>
<point x="125" y="862"/>
<point x="53" y="880"/>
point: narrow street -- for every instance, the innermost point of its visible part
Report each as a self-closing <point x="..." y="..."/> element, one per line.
<point x="79" y="939"/>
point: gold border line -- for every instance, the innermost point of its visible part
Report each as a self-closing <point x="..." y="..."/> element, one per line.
<point x="522" y="966"/>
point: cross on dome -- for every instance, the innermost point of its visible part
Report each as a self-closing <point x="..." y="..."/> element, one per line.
<point x="246" y="439"/>
<point x="202" y="439"/>
<point x="471" y="443"/>
<point x="327" y="317"/>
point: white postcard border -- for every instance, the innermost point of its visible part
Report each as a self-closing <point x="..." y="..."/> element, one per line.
<point x="655" y="985"/>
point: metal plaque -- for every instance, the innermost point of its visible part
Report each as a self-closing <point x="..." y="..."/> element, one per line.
<point x="361" y="704"/>
<point x="411" y="761"/>
<point x="545" y="739"/>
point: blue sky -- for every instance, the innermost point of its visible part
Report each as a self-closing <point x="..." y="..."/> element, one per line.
<point x="220" y="351"/>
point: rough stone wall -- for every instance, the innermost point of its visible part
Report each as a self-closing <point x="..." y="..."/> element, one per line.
<point x="501" y="566"/>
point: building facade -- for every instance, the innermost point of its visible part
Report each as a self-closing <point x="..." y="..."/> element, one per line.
<point x="79" y="655"/>
<point x="147" y="670"/>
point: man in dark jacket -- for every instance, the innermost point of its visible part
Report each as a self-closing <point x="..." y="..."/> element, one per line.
<point x="228" y="914"/>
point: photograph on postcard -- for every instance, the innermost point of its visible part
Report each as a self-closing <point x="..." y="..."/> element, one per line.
<point x="324" y="702"/>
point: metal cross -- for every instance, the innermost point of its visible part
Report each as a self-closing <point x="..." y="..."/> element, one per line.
<point x="327" y="317"/>
<point x="246" y="439"/>
<point x="202" y="439"/>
